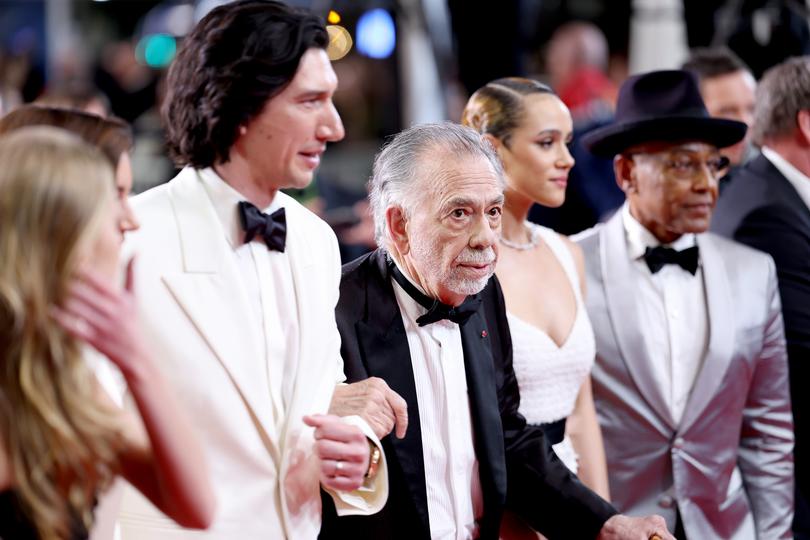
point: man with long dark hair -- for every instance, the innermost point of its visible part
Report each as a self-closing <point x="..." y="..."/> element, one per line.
<point x="238" y="282"/>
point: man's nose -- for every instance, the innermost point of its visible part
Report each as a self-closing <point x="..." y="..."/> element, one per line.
<point x="484" y="234"/>
<point x="331" y="127"/>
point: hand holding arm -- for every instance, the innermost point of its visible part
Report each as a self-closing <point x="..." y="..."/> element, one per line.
<point x="373" y="401"/>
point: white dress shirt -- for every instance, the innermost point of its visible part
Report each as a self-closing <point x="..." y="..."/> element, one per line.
<point x="273" y="295"/>
<point x="672" y="304"/>
<point x="796" y="177"/>
<point x="453" y="485"/>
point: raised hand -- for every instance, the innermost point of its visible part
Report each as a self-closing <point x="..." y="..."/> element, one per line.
<point x="374" y="402"/>
<point x="95" y="312"/>
<point x="343" y="451"/>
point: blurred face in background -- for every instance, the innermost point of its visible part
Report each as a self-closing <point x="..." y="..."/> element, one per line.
<point x="105" y="247"/>
<point x="731" y="96"/>
<point x="536" y="159"/>
<point x="123" y="186"/>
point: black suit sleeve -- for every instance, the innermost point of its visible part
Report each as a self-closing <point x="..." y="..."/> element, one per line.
<point x="540" y="488"/>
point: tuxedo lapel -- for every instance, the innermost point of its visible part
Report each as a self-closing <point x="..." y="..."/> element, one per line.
<point x="486" y="418"/>
<point x="719" y="305"/>
<point x="210" y="292"/>
<point x="622" y="304"/>
<point x="302" y="261"/>
<point x="384" y="346"/>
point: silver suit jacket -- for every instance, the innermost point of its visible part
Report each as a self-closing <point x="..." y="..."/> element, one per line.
<point x="728" y="465"/>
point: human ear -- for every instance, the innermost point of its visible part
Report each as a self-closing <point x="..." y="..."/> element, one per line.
<point x="496" y="143"/>
<point x="397" y="224"/>
<point x="803" y="123"/>
<point x="625" y="170"/>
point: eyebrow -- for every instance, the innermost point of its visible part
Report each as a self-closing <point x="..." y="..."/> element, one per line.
<point x="311" y="93"/>
<point x="552" y="132"/>
<point x="464" y="201"/>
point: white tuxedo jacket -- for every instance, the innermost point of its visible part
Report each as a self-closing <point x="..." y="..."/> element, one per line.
<point x="197" y="316"/>
<point x="728" y="465"/>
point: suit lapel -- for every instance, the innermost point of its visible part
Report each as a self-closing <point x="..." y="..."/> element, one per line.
<point x="301" y="260"/>
<point x="762" y="168"/>
<point x="624" y="314"/>
<point x="486" y="417"/>
<point x="719" y="305"/>
<point x="384" y="346"/>
<point x="210" y="291"/>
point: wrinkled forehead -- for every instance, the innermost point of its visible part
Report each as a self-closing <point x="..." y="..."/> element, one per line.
<point x="445" y="176"/>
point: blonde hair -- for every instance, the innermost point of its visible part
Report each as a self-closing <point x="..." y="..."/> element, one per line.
<point x="61" y="445"/>
<point x="497" y="107"/>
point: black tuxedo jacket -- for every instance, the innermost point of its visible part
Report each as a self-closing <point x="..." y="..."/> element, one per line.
<point x="762" y="209"/>
<point x="517" y="467"/>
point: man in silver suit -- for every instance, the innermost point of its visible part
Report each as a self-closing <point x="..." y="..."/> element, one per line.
<point x="691" y="378"/>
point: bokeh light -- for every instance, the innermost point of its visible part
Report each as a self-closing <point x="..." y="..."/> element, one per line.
<point x="340" y="42"/>
<point x="376" y="34"/>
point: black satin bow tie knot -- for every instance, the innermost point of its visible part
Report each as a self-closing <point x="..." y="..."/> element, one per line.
<point x="659" y="256"/>
<point x="272" y="228"/>
<point x="436" y="311"/>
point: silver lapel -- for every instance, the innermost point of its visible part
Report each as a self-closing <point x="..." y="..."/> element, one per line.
<point x="210" y="292"/>
<point x="719" y="352"/>
<point x="624" y="314"/>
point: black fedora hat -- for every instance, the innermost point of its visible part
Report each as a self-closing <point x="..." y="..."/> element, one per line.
<point x="661" y="106"/>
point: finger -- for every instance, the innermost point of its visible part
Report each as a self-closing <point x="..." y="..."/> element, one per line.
<point x="71" y="324"/>
<point x="400" y="408"/>
<point x="342" y="483"/>
<point x="87" y="313"/>
<point x="333" y="428"/>
<point x="97" y="282"/>
<point x="129" y="281"/>
<point x="341" y="451"/>
<point x="336" y="468"/>
<point x="90" y="296"/>
<point x="314" y="420"/>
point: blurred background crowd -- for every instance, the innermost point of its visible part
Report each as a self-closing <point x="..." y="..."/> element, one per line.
<point x="399" y="62"/>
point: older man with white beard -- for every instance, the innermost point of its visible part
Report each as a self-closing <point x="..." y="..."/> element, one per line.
<point x="425" y="313"/>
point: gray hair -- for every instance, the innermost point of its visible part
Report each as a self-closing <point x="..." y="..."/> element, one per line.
<point x="783" y="91"/>
<point x="398" y="167"/>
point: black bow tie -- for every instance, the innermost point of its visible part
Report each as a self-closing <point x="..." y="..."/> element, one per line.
<point x="436" y="311"/>
<point x="659" y="256"/>
<point x="273" y="227"/>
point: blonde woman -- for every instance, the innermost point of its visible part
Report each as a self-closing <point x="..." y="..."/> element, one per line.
<point x="62" y="440"/>
<point x="542" y="273"/>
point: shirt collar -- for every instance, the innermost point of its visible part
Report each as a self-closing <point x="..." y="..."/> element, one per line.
<point x="225" y="200"/>
<point x="639" y="238"/>
<point x="411" y="307"/>
<point x="796" y="177"/>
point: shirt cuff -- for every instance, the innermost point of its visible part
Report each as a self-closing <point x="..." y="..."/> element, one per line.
<point x="372" y="495"/>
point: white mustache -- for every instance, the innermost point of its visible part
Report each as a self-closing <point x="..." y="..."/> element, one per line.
<point x="476" y="256"/>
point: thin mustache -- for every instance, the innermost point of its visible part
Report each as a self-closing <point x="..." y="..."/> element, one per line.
<point x="486" y="256"/>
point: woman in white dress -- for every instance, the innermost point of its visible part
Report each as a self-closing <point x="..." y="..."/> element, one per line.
<point x="542" y="274"/>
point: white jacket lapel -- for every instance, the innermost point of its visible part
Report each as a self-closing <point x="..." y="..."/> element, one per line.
<point x="622" y="303"/>
<point x="211" y="293"/>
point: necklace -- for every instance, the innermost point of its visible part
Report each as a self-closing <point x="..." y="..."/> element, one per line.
<point x="534" y="240"/>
